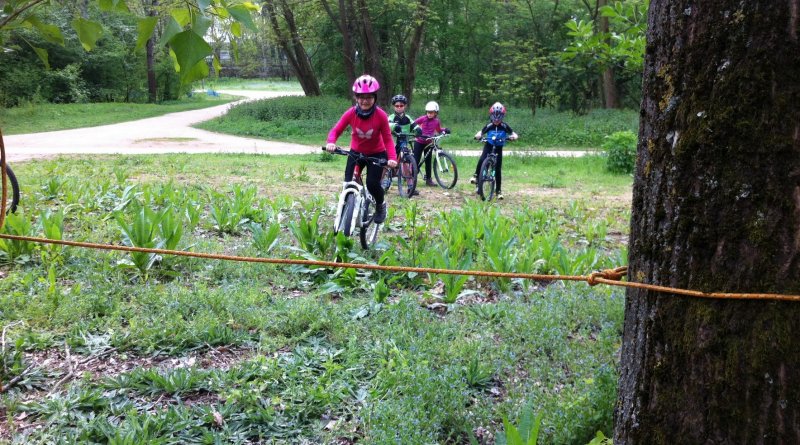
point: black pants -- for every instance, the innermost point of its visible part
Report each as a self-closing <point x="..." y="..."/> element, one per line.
<point x="418" y="147"/>
<point x="374" y="174"/>
<point x="498" y="175"/>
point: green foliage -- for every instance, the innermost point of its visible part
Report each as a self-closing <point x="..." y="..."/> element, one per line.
<point x="526" y="434"/>
<point x="150" y="229"/>
<point x="13" y="251"/>
<point x="620" y="150"/>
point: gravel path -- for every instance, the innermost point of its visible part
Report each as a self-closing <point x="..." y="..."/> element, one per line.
<point x="170" y="133"/>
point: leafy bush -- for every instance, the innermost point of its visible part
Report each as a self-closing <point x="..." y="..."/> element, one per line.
<point x="620" y="147"/>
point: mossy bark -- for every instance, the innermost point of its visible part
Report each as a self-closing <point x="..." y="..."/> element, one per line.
<point x="716" y="207"/>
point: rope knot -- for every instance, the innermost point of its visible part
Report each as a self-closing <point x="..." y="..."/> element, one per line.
<point x="608" y="274"/>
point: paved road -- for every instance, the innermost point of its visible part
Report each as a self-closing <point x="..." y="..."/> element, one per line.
<point x="170" y="133"/>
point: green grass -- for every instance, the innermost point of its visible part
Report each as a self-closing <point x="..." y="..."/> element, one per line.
<point x="231" y="83"/>
<point x="307" y="120"/>
<point x="35" y="118"/>
<point x="215" y="351"/>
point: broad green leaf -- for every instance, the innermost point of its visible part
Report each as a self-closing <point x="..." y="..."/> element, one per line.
<point x="202" y="5"/>
<point x="51" y="33"/>
<point x="88" y="32"/>
<point x="236" y="29"/>
<point x="113" y="5"/>
<point x="201" y="25"/>
<point x="42" y="53"/>
<point x="173" y="28"/>
<point x="145" y="26"/>
<point x="189" y="49"/>
<point x="197" y="72"/>
<point x="217" y="66"/>
<point x="182" y="16"/>
<point x="243" y="14"/>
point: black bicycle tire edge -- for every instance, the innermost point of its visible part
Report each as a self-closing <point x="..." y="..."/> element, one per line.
<point x="401" y="180"/>
<point x="12" y="180"/>
<point x="347" y="215"/>
<point x="455" y="170"/>
<point x="487" y="163"/>
<point x="365" y="225"/>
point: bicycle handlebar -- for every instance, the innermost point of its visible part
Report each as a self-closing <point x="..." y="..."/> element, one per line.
<point x="340" y="151"/>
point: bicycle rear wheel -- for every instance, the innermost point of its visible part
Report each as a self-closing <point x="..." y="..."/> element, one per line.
<point x="346" y="223"/>
<point x="407" y="176"/>
<point x="486" y="181"/>
<point x="12" y="193"/>
<point x="445" y="170"/>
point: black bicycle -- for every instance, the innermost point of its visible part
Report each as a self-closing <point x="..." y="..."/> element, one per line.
<point x="487" y="184"/>
<point x="12" y="195"/>
<point x="406" y="170"/>
<point x="444" y="166"/>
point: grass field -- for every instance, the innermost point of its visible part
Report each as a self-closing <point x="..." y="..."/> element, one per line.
<point x="112" y="347"/>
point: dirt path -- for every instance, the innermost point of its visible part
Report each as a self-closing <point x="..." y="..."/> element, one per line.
<point x="170" y="133"/>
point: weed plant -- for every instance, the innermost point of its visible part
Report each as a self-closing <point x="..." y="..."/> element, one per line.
<point x="218" y="351"/>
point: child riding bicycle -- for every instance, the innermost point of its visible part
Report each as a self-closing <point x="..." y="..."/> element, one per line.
<point x="430" y="126"/>
<point x="497" y="112"/>
<point x="401" y="123"/>
<point x="371" y="136"/>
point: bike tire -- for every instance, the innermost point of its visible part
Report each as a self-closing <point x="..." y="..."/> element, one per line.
<point x="346" y="224"/>
<point x="407" y="177"/>
<point x="11" y="206"/>
<point x="445" y="170"/>
<point x="368" y="233"/>
<point x="486" y="180"/>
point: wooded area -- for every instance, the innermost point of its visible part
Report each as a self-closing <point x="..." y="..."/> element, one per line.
<point x="570" y="55"/>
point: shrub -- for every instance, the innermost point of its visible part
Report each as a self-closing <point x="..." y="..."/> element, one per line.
<point x="620" y="149"/>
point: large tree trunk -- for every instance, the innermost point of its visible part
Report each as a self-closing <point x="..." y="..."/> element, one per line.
<point x="410" y="76"/>
<point x="345" y="27"/>
<point x="608" y="81"/>
<point x="716" y="207"/>
<point x="289" y="40"/>
<point x="372" y="55"/>
<point x="152" y="85"/>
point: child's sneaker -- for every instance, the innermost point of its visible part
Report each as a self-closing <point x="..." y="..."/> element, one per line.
<point x="499" y="195"/>
<point x="429" y="182"/>
<point x="474" y="179"/>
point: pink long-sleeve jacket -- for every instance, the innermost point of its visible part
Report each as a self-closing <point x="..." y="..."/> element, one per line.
<point x="369" y="136"/>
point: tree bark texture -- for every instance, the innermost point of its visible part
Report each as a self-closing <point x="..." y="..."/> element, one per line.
<point x="410" y="75"/>
<point x="608" y="81"/>
<point x="152" y="84"/>
<point x="716" y="207"/>
<point x="289" y="40"/>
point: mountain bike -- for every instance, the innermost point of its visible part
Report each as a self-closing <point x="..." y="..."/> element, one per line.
<point x="406" y="170"/>
<point x="486" y="176"/>
<point x="356" y="207"/>
<point x="444" y="166"/>
<point x="12" y="195"/>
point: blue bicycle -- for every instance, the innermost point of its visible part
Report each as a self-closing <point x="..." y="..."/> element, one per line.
<point x="487" y="185"/>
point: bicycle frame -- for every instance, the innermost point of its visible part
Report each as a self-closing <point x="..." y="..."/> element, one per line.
<point x="431" y="147"/>
<point x="356" y="188"/>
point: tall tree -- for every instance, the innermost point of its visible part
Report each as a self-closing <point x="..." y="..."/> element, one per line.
<point x="344" y="23"/>
<point x="287" y="34"/>
<point x="716" y="207"/>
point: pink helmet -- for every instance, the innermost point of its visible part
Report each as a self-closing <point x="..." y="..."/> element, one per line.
<point x="366" y="84"/>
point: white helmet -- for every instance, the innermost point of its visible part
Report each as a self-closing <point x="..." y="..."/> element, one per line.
<point x="432" y="106"/>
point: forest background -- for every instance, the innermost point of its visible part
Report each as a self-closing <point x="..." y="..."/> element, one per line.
<point x="565" y="55"/>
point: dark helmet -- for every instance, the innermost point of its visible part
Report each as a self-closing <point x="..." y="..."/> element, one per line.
<point x="400" y="98"/>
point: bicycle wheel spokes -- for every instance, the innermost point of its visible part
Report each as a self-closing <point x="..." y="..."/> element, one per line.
<point x="407" y="177"/>
<point x="446" y="171"/>
<point x="486" y="184"/>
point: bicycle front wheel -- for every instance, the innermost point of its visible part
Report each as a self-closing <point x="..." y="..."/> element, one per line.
<point x="407" y="176"/>
<point x="486" y="181"/>
<point x="445" y="170"/>
<point x="346" y="223"/>
<point x="12" y="194"/>
<point x="369" y="230"/>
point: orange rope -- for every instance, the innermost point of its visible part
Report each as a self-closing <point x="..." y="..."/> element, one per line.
<point x="610" y="276"/>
